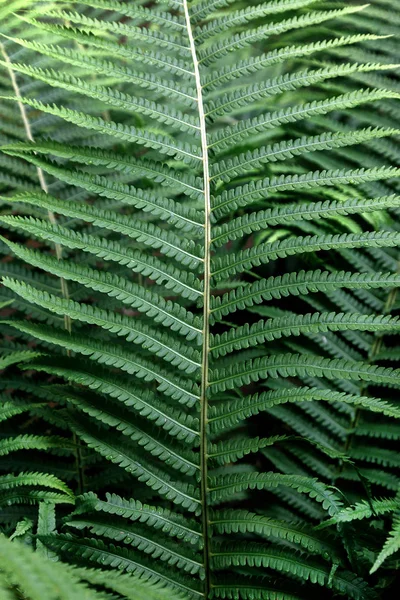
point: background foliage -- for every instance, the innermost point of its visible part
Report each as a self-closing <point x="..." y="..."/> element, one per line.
<point x="199" y="310"/>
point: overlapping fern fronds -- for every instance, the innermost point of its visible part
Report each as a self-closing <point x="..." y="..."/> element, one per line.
<point x="28" y="575"/>
<point x="201" y="205"/>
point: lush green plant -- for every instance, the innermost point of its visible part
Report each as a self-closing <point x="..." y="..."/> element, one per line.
<point x="200" y="233"/>
<point x="27" y="574"/>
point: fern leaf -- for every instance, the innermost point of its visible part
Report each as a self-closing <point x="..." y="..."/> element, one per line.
<point x="234" y="521"/>
<point x="294" y="364"/>
<point x="264" y="253"/>
<point x="392" y="545"/>
<point x="174" y="169"/>
<point x="228" y="137"/>
<point x="86" y="36"/>
<point x="234" y="449"/>
<point x="255" y="159"/>
<point x="139" y="167"/>
<point x="126" y="585"/>
<point x="165" y="346"/>
<point x="98" y="552"/>
<point x="38" y="577"/>
<point x="296" y="284"/>
<point x="115" y="356"/>
<point x="243" y="17"/>
<point x="178" y="424"/>
<point x="159" y="17"/>
<point x="361" y="510"/>
<point x="170" y="523"/>
<point x="167" y="41"/>
<point x="247" y="336"/>
<point x="17" y="357"/>
<point x="34" y="442"/>
<point x="232" y="102"/>
<point x="174" y="455"/>
<point x="116" y="130"/>
<point x="261" y="220"/>
<point x="239" y="41"/>
<point x="226" y="485"/>
<point x="231" y="200"/>
<point x="32" y="479"/>
<point x="151" y="235"/>
<point x="111" y="98"/>
<point x="256" y="555"/>
<point x="141" y="539"/>
<point x="170" y="314"/>
<point x="11" y="408"/>
<point x="177" y="280"/>
<point x="46" y="526"/>
<point x="164" y="208"/>
<point x="112" y="69"/>
<point x="145" y="470"/>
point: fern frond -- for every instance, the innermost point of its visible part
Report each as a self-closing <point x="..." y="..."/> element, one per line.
<point x="226" y="485"/>
<point x="111" y="98"/>
<point x="173" y="278"/>
<point x="144" y="401"/>
<point x="392" y="545"/>
<point x="361" y="510"/>
<point x="175" y="174"/>
<point x="150" y="303"/>
<point x="168" y="348"/>
<point x="155" y="15"/>
<point x="112" y="69"/>
<point x="247" y="336"/>
<point x="230" y="200"/>
<point x="151" y="235"/>
<point x="146" y="470"/>
<point x="17" y="357"/>
<point x="257" y="555"/>
<point x="168" y="451"/>
<point x="261" y="220"/>
<point x="230" y="136"/>
<point x="250" y="36"/>
<point x="243" y="17"/>
<point x="168" y="41"/>
<point x="35" y="479"/>
<point x="98" y="552"/>
<point x="297" y="365"/>
<point x="172" y="554"/>
<point x="115" y="356"/>
<point x="230" y="451"/>
<point x="255" y="159"/>
<point x="296" y="284"/>
<point x="231" y="103"/>
<point x="168" y="522"/>
<point x="170" y="64"/>
<point x="119" y="131"/>
<point x="139" y="167"/>
<point x="164" y="208"/>
<point x="235" y="521"/>
<point x="264" y="253"/>
<point x="38" y="577"/>
<point x="252" y="64"/>
<point x="234" y="411"/>
<point x="34" y="442"/>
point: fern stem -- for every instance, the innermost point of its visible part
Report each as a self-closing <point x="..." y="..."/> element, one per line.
<point x="206" y="305"/>
<point x="58" y="249"/>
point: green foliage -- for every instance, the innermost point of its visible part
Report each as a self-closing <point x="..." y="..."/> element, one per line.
<point x="25" y="574"/>
<point x="199" y="313"/>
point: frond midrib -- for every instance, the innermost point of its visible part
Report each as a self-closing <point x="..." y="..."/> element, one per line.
<point x="206" y="302"/>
